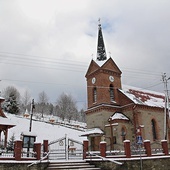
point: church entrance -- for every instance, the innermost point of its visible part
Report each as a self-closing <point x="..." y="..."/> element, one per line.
<point x="95" y="143"/>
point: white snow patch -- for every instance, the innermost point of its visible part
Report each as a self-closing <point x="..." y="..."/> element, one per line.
<point x="43" y="130"/>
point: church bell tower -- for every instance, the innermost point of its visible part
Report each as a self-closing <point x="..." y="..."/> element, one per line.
<point x="103" y="78"/>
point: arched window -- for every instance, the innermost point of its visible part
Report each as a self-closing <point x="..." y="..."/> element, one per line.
<point x="94" y="95"/>
<point x="153" y="124"/>
<point x="123" y="134"/>
<point x="111" y="93"/>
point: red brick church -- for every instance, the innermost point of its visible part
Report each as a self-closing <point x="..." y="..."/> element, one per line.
<point x="116" y="112"/>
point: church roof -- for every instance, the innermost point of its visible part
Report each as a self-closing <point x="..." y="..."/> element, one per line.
<point x="101" y="52"/>
<point x="104" y="64"/>
<point x="101" y="63"/>
<point x="144" y="97"/>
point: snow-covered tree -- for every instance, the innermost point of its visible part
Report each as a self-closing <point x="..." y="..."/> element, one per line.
<point x="12" y="100"/>
<point x="66" y="107"/>
<point x="26" y="99"/>
<point x="82" y="116"/>
<point x="10" y="144"/>
<point x="43" y="100"/>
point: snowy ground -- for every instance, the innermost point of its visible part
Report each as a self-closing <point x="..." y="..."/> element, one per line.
<point x="43" y="130"/>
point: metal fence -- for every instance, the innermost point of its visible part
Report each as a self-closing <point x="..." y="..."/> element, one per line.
<point x="65" y="148"/>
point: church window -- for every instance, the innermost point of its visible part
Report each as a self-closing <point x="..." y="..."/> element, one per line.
<point x="94" y="95"/>
<point x="153" y="124"/>
<point x="123" y="134"/>
<point x="114" y="140"/>
<point x="111" y="93"/>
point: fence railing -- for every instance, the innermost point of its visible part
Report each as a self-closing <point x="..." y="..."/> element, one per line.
<point x="19" y="153"/>
<point x="129" y="150"/>
<point x="6" y="154"/>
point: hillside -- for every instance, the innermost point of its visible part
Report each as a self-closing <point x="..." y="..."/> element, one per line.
<point x="43" y="129"/>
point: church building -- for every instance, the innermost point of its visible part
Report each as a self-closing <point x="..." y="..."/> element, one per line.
<point x="116" y="112"/>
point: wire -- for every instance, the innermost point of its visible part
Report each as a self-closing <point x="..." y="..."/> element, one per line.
<point x="67" y="65"/>
<point x="44" y="60"/>
<point x="33" y="57"/>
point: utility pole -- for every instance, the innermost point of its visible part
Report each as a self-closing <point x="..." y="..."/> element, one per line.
<point x="165" y="81"/>
<point x="32" y="109"/>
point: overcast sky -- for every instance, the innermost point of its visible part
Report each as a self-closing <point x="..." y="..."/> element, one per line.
<point x="47" y="45"/>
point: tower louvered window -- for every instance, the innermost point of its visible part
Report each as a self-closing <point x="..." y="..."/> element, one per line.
<point x="111" y="93"/>
<point x="94" y="95"/>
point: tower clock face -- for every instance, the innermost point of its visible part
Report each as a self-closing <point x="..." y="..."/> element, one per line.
<point x="111" y="78"/>
<point x="93" y="80"/>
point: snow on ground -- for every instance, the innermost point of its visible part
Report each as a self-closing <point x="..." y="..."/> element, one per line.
<point x="43" y="130"/>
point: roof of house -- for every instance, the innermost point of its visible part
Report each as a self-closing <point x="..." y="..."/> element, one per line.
<point x="92" y="132"/>
<point x="2" y="99"/>
<point x="6" y="122"/>
<point x="144" y="97"/>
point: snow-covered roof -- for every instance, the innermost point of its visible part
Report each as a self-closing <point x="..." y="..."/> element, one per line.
<point x="6" y="121"/>
<point x="100" y="63"/>
<point x="26" y="112"/>
<point x="1" y="98"/>
<point x="93" y="131"/>
<point x="28" y="133"/>
<point x="144" y="97"/>
<point x="118" y="116"/>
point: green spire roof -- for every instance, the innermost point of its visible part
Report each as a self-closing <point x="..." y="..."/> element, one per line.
<point x="101" y="52"/>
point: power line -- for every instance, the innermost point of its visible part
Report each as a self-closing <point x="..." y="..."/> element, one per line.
<point x="43" y="67"/>
<point x="41" y="57"/>
<point x="67" y="65"/>
<point x="38" y="82"/>
<point x="44" y="60"/>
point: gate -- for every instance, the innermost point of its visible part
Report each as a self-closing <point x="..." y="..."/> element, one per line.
<point x="65" y="148"/>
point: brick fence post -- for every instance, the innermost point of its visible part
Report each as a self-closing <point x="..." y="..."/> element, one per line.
<point x="147" y="146"/>
<point x="45" y="147"/>
<point x="127" y="148"/>
<point x="103" y="149"/>
<point x="17" y="150"/>
<point x="85" y="148"/>
<point x="37" y="149"/>
<point x="165" y="146"/>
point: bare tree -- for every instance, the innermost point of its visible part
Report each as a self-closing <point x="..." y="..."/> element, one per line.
<point x="43" y="100"/>
<point x="66" y="107"/>
<point x="26" y="99"/>
<point x="82" y="115"/>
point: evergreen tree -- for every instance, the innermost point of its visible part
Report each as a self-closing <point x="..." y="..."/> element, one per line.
<point x="10" y="144"/>
<point x="12" y="99"/>
<point x="11" y="105"/>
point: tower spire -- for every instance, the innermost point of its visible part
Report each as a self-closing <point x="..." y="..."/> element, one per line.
<point x="101" y="52"/>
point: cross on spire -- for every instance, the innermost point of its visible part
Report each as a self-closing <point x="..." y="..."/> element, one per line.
<point x="101" y="52"/>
